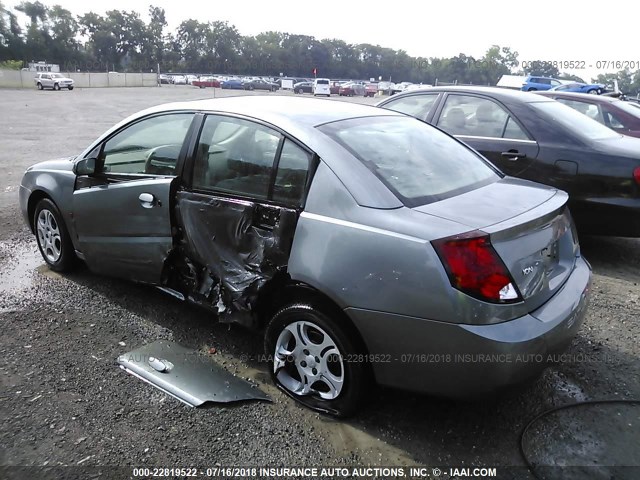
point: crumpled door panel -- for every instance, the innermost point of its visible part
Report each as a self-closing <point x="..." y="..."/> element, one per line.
<point x="231" y="249"/>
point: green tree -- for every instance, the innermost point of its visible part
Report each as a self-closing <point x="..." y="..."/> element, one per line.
<point x="64" y="47"/>
<point x="542" y="69"/>
<point x="497" y="61"/>
<point x="38" y="38"/>
<point x="625" y="80"/>
<point x="573" y="78"/>
<point x="156" y="41"/>
<point x="101" y="43"/>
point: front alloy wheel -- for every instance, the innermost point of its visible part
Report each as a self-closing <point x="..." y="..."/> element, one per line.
<point x="317" y="360"/>
<point x="53" y="239"/>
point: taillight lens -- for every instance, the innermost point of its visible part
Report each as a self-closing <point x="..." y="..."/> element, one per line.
<point x="474" y="267"/>
<point x="636" y="175"/>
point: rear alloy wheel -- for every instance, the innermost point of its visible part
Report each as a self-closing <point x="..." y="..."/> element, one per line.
<point x="300" y="90"/>
<point x="39" y="86"/>
<point x="53" y="239"/>
<point x="315" y="361"/>
<point x="595" y="91"/>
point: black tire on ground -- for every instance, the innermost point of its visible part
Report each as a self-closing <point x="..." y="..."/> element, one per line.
<point x="70" y="88"/>
<point x="67" y="258"/>
<point x="39" y="86"/>
<point x="300" y="90"/>
<point x="56" y="86"/>
<point x="356" y="374"/>
<point x="532" y="90"/>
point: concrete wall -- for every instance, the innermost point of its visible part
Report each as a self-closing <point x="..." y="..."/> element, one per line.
<point x="23" y="79"/>
<point x="12" y="78"/>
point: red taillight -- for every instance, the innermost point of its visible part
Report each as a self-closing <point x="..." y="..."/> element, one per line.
<point x="475" y="268"/>
<point x="636" y="175"/>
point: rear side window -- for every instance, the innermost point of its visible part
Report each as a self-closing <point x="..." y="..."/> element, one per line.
<point x="417" y="162"/>
<point x="235" y="156"/>
<point x="291" y="176"/>
<point x="479" y="117"/>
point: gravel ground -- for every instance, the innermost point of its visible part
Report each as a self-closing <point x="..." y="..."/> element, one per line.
<point x="63" y="400"/>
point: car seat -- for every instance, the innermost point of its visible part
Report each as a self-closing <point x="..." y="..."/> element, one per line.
<point x="454" y="122"/>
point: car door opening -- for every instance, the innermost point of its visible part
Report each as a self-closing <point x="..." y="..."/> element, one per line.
<point x="231" y="249"/>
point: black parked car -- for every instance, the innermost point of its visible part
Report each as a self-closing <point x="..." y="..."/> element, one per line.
<point x="537" y="138"/>
<point x="303" y="87"/>
<point x="260" y="84"/>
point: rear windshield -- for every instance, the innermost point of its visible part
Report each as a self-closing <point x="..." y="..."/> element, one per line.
<point x="629" y="107"/>
<point x="417" y="162"/>
<point x="574" y="121"/>
<point x="322" y="82"/>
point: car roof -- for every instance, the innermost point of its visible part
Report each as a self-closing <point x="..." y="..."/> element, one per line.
<point x="279" y="110"/>
<point x="578" y="96"/>
<point x="298" y="117"/>
<point x="499" y="93"/>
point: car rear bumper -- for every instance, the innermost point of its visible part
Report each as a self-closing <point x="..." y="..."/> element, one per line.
<point x="460" y="360"/>
<point x="615" y="216"/>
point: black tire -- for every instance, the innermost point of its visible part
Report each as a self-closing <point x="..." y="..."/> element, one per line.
<point x="56" y="86"/>
<point x="70" y="88"/>
<point x="67" y="258"/>
<point x="356" y="374"/>
<point x="40" y="87"/>
<point x="300" y="90"/>
<point x="594" y="91"/>
<point x="532" y="90"/>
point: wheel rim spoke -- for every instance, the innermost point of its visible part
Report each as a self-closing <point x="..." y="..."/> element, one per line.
<point x="49" y="237"/>
<point x="302" y="358"/>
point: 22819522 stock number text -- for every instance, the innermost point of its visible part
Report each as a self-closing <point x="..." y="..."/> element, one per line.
<point x="583" y="64"/>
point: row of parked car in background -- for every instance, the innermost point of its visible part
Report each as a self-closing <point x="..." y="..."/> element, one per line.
<point x="299" y="85"/>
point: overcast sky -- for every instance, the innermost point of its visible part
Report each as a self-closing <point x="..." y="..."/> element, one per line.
<point x="559" y="30"/>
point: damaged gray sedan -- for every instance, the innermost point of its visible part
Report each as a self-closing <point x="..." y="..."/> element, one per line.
<point x="367" y="245"/>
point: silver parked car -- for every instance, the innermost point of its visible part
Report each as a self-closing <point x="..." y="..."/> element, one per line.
<point x="55" y="81"/>
<point x="366" y="244"/>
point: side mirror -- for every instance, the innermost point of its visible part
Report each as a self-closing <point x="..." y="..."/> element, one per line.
<point x="86" y="166"/>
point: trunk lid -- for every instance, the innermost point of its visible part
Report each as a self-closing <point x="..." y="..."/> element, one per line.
<point x="530" y="228"/>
